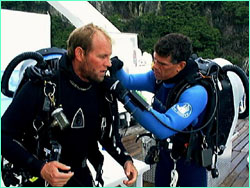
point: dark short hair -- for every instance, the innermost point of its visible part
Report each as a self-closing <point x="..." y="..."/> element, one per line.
<point x="177" y="45"/>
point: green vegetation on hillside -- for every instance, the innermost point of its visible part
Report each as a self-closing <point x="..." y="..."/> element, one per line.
<point x="217" y="28"/>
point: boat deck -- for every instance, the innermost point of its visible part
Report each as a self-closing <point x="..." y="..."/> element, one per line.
<point x="239" y="171"/>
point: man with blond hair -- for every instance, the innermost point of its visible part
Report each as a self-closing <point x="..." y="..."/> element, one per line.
<point x="79" y="93"/>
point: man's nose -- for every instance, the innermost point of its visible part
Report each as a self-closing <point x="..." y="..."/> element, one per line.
<point x="153" y="65"/>
<point x="107" y="62"/>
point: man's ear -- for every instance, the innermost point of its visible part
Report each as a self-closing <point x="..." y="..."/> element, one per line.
<point x="79" y="53"/>
<point x="181" y="65"/>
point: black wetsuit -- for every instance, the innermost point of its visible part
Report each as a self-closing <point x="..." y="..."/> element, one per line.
<point x="86" y="109"/>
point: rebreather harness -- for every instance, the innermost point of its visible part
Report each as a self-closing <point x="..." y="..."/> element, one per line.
<point x="202" y="144"/>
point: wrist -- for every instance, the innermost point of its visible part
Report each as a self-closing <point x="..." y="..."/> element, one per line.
<point x="129" y="161"/>
<point x="41" y="174"/>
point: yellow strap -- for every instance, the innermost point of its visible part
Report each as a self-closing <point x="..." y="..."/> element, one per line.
<point x="33" y="179"/>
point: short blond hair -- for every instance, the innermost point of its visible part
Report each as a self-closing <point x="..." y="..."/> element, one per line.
<point x="82" y="37"/>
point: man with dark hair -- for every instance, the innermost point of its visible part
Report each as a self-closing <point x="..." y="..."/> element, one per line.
<point x="86" y="113"/>
<point x="171" y="66"/>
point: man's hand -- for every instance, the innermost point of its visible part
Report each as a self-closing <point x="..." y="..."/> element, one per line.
<point x="115" y="86"/>
<point x="50" y="173"/>
<point x="117" y="64"/>
<point x="130" y="172"/>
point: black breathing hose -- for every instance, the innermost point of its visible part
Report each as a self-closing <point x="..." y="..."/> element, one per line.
<point x="12" y="65"/>
<point x="245" y="82"/>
